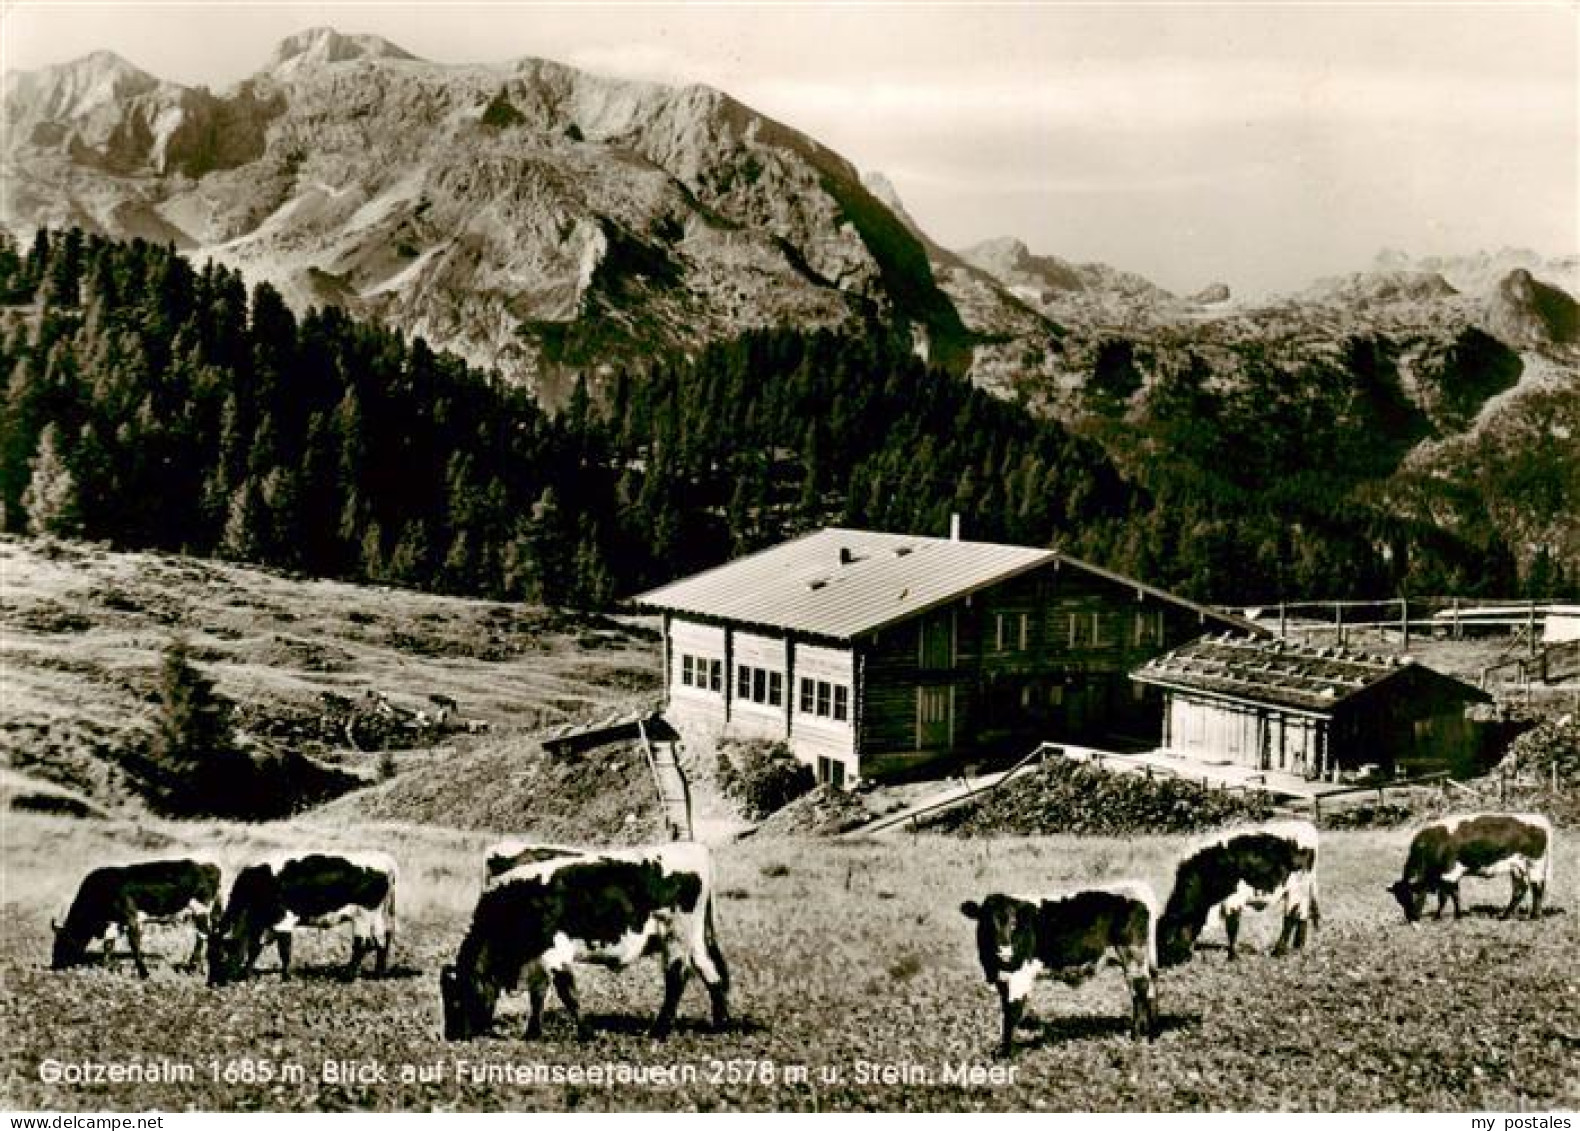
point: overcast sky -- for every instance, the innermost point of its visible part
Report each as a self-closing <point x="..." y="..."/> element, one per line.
<point x="1262" y="145"/>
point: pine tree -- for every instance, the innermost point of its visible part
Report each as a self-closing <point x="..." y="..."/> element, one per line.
<point x="246" y="535"/>
<point x="197" y="767"/>
<point x="593" y="585"/>
<point x="409" y="562"/>
<point x="372" y="555"/>
<point x="51" y="500"/>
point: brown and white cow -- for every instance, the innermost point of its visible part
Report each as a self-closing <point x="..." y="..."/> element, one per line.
<point x="270" y="899"/>
<point x="1068" y="937"/>
<point x="606" y="908"/>
<point x="1273" y="864"/>
<point x="123" y="898"/>
<point x="1483" y="845"/>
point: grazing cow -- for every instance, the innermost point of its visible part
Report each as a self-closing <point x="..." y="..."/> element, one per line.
<point x="1068" y="937"/>
<point x="121" y="899"/>
<point x="507" y="855"/>
<point x="273" y="897"/>
<point x="1255" y="868"/>
<point x="1484" y="844"/>
<point x="606" y="908"/>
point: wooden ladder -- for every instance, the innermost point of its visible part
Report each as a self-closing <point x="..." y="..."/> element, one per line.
<point x="669" y="781"/>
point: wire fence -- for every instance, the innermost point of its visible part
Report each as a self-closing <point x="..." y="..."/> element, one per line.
<point x="1456" y="617"/>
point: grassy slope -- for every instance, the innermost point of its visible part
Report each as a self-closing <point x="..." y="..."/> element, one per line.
<point x="81" y="631"/>
<point x="509" y="785"/>
<point x="845" y="951"/>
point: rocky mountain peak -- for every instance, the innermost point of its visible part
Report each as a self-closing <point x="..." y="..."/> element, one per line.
<point x="320" y="46"/>
<point x="75" y="89"/>
<point x="1528" y="312"/>
<point x="1001" y="254"/>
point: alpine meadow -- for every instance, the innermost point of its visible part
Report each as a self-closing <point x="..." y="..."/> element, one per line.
<point x="544" y="587"/>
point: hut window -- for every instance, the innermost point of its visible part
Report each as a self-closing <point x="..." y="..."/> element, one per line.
<point x="1025" y="631"/>
<point x="759" y="685"/>
<point x="1080" y="630"/>
<point x="933" y="705"/>
<point x="701" y="673"/>
<point x="824" y="699"/>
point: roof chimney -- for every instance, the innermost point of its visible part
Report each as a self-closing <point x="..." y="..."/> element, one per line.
<point x="954" y="526"/>
<point x="845" y="556"/>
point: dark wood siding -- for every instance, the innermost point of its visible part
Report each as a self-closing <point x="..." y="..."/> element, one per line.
<point x="1043" y="656"/>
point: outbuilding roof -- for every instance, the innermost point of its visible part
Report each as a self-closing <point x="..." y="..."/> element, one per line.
<point x="1277" y="671"/>
<point x="840" y="584"/>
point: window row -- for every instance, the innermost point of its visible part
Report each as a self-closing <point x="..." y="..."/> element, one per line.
<point x="1011" y="632"/>
<point x="759" y="685"/>
<point x="820" y="698"/>
<point x="824" y="699"/>
<point x="701" y="672"/>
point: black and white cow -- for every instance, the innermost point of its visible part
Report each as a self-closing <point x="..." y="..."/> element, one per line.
<point x="507" y="855"/>
<point x="1068" y="937"/>
<point x="273" y="897"/>
<point x="1482" y="844"/>
<point x="1256" y="868"/>
<point x="606" y="908"/>
<point x="121" y="899"/>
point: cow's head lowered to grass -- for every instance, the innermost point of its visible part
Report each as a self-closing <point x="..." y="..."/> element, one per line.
<point x="1412" y="900"/>
<point x="117" y="900"/>
<point x="469" y="1001"/>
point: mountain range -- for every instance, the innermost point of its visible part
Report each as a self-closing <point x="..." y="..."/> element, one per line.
<point x="546" y="221"/>
<point x="550" y="223"/>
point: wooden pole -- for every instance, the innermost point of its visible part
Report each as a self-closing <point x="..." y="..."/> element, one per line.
<point x="1283" y="626"/>
<point x="1338" y="622"/>
<point x="1404" y="622"/>
<point x="1456" y="618"/>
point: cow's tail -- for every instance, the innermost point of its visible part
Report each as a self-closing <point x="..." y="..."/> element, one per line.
<point x="1546" y="866"/>
<point x="389" y="900"/>
<point x="386" y="937"/>
<point x="1144" y="894"/>
<point x="711" y="944"/>
<point x="707" y="957"/>
<point x="1313" y="903"/>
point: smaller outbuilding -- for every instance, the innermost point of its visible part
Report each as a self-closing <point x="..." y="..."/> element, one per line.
<point x="1322" y="713"/>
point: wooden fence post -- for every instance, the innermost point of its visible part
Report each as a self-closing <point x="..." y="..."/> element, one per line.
<point x="1404" y="622"/>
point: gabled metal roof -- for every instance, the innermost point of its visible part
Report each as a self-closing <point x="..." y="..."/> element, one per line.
<point x="1278" y="672"/>
<point x="841" y="584"/>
